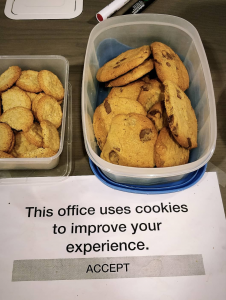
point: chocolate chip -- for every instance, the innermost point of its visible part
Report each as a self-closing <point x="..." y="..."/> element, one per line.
<point x="178" y="94"/>
<point x="164" y="53"/>
<point x="168" y="64"/>
<point x="107" y="107"/>
<point x="174" y="130"/>
<point x="155" y="60"/>
<point x="113" y="157"/>
<point x="154" y="112"/>
<point x="153" y="121"/>
<point x="121" y="90"/>
<point x="145" y="135"/>
<point x="145" y="88"/>
<point x="167" y="55"/>
<point x="118" y="62"/>
<point x="99" y="143"/>
<point x="171" y="119"/>
<point x="189" y="143"/>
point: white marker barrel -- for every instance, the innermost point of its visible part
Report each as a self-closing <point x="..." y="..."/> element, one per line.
<point x="110" y="9"/>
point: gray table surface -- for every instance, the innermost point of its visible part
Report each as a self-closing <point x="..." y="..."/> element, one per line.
<point x="69" y="38"/>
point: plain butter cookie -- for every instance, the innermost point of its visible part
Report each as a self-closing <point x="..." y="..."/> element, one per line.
<point x="51" y="84"/>
<point x="50" y="135"/>
<point x="28" y="81"/>
<point x="9" y="77"/>
<point x="49" y="109"/>
<point x="7" y="138"/>
<point x="15" y="97"/>
<point x="19" y="118"/>
<point x="34" y="135"/>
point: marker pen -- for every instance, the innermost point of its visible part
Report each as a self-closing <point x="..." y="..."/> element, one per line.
<point x="110" y="9"/>
<point x="138" y="7"/>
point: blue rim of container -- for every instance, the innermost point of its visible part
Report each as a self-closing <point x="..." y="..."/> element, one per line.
<point x="164" y="188"/>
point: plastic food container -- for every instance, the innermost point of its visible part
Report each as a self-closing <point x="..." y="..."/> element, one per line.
<point x="46" y="176"/>
<point x="59" y="65"/>
<point x="115" y="35"/>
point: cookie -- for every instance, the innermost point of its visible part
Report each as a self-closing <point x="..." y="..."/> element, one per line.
<point x="49" y="109"/>
<point x="7" y="137"/>
<point x="147" y="78"/>
<point x="168" y="153"/>
<point x="157" y="114"/>
<point x="181" y="115"/>
<point x="9" y="77"/>
<point x="151" y="93"/>
<point x="105" y="112"/>
<point x="51" y="84"/>
<point x="169" y="66"/>
<point x="133" y="75"/>
<point x="13" y="143"/>
<point x="123" y="63"/>
<point x="50" y="135"/>
<point x="38" y="153"/>
<point x="31" y="95"/>
<point x="15" y="97"/>
<point x="5" y="155"/>
<point x="129" y="91"/>
<point x="22" y="145"/>
<point x="34" y="135"/>
<point x="28" y="81"/>
<point x="19" y="118"/>
<point x="130" y="141"/>
<point x="35" y="103"/>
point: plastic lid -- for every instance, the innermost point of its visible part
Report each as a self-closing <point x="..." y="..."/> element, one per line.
<point x="164" y="188"/>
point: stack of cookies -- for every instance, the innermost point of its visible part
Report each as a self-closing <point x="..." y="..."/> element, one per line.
<point x="30" y="113"/>
<point x="146" y="120"/>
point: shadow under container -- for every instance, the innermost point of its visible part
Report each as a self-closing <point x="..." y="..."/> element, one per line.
<point x="116" y="35"/>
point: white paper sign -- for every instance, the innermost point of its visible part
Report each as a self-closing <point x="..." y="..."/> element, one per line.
<point x="80" y="239"/>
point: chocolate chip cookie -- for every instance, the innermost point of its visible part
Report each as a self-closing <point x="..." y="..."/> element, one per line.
<point x="169" y="66"/>
<point x="168" y="152"/>
<point x="105" y="112"/>
<point x="123" y="63"/>
<point x="130" y="141"/>
<point x="181" y="116"/>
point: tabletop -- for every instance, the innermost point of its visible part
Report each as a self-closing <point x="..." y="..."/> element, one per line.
<point x="69" y="38"/>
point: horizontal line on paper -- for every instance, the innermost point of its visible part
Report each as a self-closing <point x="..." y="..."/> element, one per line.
<point x="107" y="267"/>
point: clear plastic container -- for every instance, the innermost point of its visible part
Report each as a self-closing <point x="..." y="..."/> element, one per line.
<point x="45" y="176"/>
<point x="115" y="35"/>
<point x="59" y="65"/>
